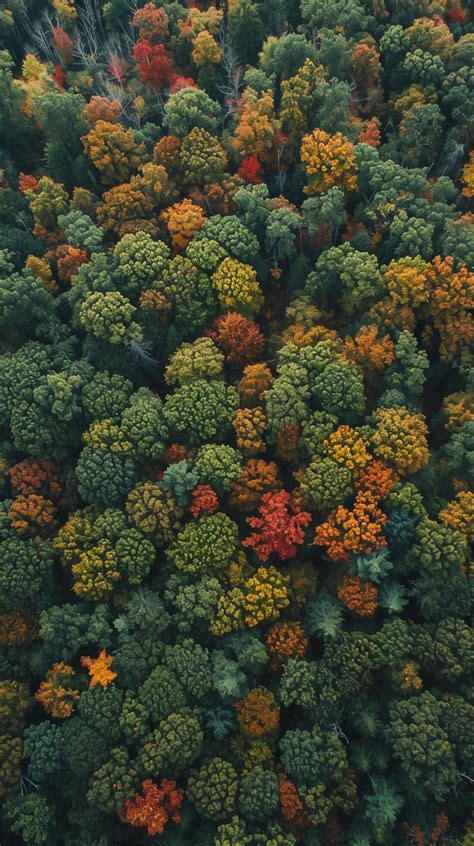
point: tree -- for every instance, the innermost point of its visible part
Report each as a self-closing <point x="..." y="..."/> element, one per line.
<point x="418" y="741"/>
<point x="207" y="545"/>
<point x="213" y="789"/>
<point x="183" y="220"/>
<point x="237" y="287"/>
<point x="188" y="109"/>
<point x="328" y="161"/>
<point x="159" y="804"/>
<point x="400" y="439"/>
<point x="114" y="151"/>
<point x="202" y="158"/>
<point x="279" y="532"/>
<point x="214" y="403"/>
<point x="256" y="126"/>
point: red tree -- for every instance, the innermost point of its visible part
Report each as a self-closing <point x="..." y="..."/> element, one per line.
<point x="154" y="64"/>
<point x="203" y="501"/>
<point x="279" y="531"/>
<point x="251" y="170"/>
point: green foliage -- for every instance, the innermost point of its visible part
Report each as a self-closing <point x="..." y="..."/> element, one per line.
<point x="213" y="789"/>
<point x="200" y="411"/>
<point x="193" y="337"/>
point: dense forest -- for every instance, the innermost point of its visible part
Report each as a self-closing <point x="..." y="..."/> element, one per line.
<point x="237" y="422"/>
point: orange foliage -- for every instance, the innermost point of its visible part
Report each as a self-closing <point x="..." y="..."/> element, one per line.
<point x="406" y="282"/>
<point x="41" y="268"/>
<point x="467" y="176"/>
<point x="451" y="305"/>
<point x="167" y="152"/>
<point x="152" y="23"/>
<point x="377" y="479"/>
<point x="27" y="182"/>
<point x="370" y="134"/>
<point x="256" y="379"/>
<point x="125" y="209"/>
<point x="366" y="68"/>
<point x="256" y="125"/>
<point x="459" y="514"/>
<point x="460" y="409"/>
<point x="69" y="260"/>
<point x="56" y="693"/>
<point x="156" y="807"/>
<point x="114" y="151"/>
<point x="329" y="160"/>
<point x="346" y="446"/>
<point x="436" y="838"/>
<point x="203" y="501"/>
<point x="33" y="516"/>
<point x="18" y="628"/>
<point x="293" y="813"/>
<point x="156" y="304"/>
<point x="99" y="669"/>
<point x="353" y="532"/>
<point x="286" y="640"/>
<point x="238" y="337"/>
<point x="258" y="713"/>
<point x="249" y="425"/>
<point x="358" y="596"/>
<point x="101" y="108"/>
<point x="369" y="351"/>
<point x="183" y="220"/>
<point x="36" y="476"/>
<point x="258" y="477"/>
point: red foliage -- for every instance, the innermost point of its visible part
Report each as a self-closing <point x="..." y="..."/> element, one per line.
<point x="180" y="82"/>
<point x="62" y="44"/>
<point x="203" y="501"/>
<point x="456" y="16"/>
<point x="59" y="77"/>
<point x="157" y="805"/>
<point x="69" y="260"/>
<point x="175" y="453"/>
<point x="154" y="64"/>
<point x="36" y="476"/>
<point x="279" y="531"/>
<point x="27" y="182"/>
<point x="239" y="338"/>
<point x="251" y="170"/>
<point x="293" y="813"/>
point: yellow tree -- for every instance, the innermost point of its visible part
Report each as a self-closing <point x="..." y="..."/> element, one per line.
<point x="114" y="151"/>
<point x="329" y="160"/>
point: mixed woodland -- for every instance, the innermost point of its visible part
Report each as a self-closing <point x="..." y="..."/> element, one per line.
<point x="236" y="422"/>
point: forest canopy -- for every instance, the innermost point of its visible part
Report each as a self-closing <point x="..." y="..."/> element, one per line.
<point x="237" y="422"/>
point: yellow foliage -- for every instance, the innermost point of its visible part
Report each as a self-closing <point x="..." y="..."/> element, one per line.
<point x="206" y="50"/>
<point x="237" y="286"/>
<point x="329" y="160"/>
